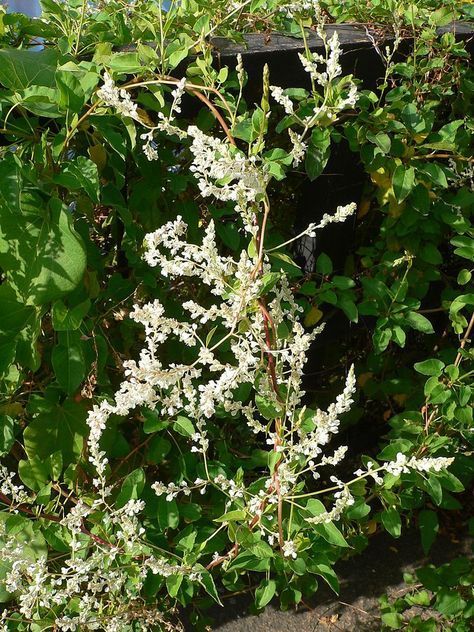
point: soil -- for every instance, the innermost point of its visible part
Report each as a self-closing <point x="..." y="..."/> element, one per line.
<point x="364" y="578"/>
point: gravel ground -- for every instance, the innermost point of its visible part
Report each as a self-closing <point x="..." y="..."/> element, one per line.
<point x="363" y="579"/>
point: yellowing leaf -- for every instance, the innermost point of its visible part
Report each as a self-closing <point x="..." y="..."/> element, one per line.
<point x="98" y="155"/>
<point x="400" y="398"/>
<point x="364" y="207"/>
<point x="381" y="178"/>
<point x="313" y="317"/>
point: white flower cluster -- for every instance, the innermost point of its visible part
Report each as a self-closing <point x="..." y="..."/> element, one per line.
<point x="343" y="499"/>
<point x="165" y="123"/>
<point x="337" y="93"/>
<point x="97" y="581"/>
<point x="403" y="464"/>
<point x="226" y="173"/>
<point x="341" y="214"/>
<point x="282" y="99"/>
<point x="332" y="62"/>
<point x="301" y="9"/>
<point x="325" y="78"/>
<point x="16" y="493"/>
<point x="289" y="549"/>
<point x="299" y="147"/>
<point x="172" y="490"/>
<point x="117" y="98"/>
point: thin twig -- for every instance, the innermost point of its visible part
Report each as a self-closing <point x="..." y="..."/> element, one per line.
<point x="465" y="338"/>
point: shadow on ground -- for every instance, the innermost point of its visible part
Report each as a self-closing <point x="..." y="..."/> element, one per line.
<point x="364" y="578"/>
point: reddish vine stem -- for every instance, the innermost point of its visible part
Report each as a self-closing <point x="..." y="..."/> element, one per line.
<point x="270" y="339"/>
<point x="215" y="112"/>
<point x="51" y="518"/>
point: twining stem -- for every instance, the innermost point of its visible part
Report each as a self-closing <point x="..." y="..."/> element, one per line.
<point x="195" y="90"/>
<point x="465" y="338"/>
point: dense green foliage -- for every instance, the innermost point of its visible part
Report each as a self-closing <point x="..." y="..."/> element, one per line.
<point x="437" y="598"/>
<point x="77" y="198"/>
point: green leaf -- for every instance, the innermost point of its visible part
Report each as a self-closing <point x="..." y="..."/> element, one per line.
<point x="434" y="489"/>
<point x="230" y="516"/>
<point x="14" y="315"/>
<point x="403" y="181"/>
<point x="331" y="534"/>
<point x="358" y="510"/>
<point x="392" y="522"/>
<point x="399" y="336"/>
<point x="178" y="50"/>
<point x="167" y="513"/>
<point x="132" y="487"/>
<point x="69" y="319"/>
<point x="464" y="277"/>
<point x="39" y="100"/>
<point x="315" y="507"/>
<point x="382" y="141"/>
<point x="270" y="409"/>
<point x="244" y="130"/>
<point x="428" y="523"/>
<point x="465" y="246"/>
<point x="381" y="339"/>
<point x="229" y="233"/>
<point x="153" y="421"/>
<point x="327" y="573"/>
<point x="262" y="550"/>
<point x="158" y="449"/>
<point x="431" y="254"/>
<point x="21" y="68"/>
<point x="248" y="561"/>
<point x="449" y="602"/>
<point x="318" y="152"/>
<point x="184" y="426"/>
<point x="7" y="434"/>
<point x="265" y="592"/>
<point x="71" y="94"/>
<point x="68" y="362"/>
<point x="392" y="620"/>
<point x="173" y="584"/>
<point x="419" y="322"/>
<point x="80" y="174"/>
<point x="268" y="282"/>
<point x="34" y="472"/>
<point x="324" y="264"/>
<point x="412" y="118"/>
<point x="60" y="428"/>
<point x="125" y="63"/>
<point x="433" y="173"/>
<point x="207" y="582"/>
<point x="348" y="307"/>
<point x="430" y="367"/>
<point x="43" y="255"/>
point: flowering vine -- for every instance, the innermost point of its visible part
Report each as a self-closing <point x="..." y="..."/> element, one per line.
<point x="245" y="350"/>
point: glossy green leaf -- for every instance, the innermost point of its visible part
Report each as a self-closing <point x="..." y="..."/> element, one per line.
<point x="392" y="522"/>
<point x="318" y="152"/>
<point x="68" y="361"/>
<point x="429" y="367"/>
<point x="61" y="427"/>
<point x="265" y="592"/>
<point x="428" y="524"/>
<point x="403" y="182"/>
